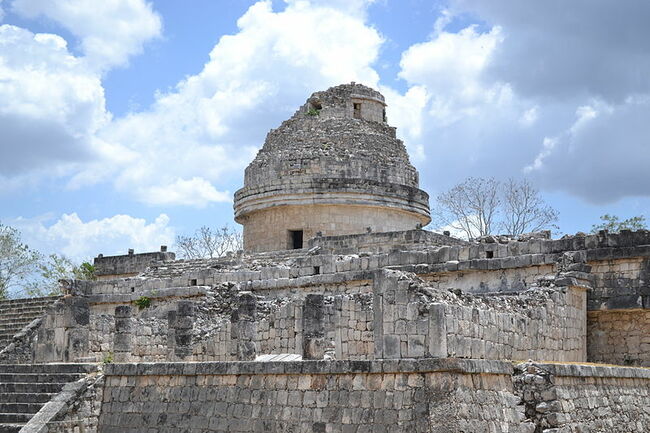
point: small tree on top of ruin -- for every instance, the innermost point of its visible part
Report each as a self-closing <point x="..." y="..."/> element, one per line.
<point x="478" y="207"/>
<point x="208" y="243"/>
<point x="613" y="224"/>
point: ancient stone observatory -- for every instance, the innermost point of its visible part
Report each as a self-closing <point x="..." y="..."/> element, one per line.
<point x="334" y="168"/>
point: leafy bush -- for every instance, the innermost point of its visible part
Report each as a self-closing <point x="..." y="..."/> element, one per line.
<point x="142" y="302"/>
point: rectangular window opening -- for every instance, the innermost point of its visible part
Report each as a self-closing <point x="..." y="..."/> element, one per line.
<point x="357" y="110"/>
<point x="316" y="270"/>
<point x="489" y="254"/>
<point x="295" y="239"/>
<point x="193" y="282"/>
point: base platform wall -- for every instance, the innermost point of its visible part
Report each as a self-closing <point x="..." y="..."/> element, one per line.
<point x="427" y="395"/>
<point x="619" y="337"/>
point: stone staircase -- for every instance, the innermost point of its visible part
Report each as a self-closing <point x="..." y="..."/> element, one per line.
<point x="24" y="389"/>
<point x="15" y="314"/>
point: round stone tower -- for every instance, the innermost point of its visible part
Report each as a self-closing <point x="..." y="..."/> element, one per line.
<point x="334" y="168"/>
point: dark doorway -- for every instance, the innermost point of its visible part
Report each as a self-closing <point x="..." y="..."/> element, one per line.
<point x="295" y="239"/>
<point x="357" y="110"/>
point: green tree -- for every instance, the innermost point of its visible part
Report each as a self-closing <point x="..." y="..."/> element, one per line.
<point x="613" y="224"/>
<point x="54" y="268"/>
<point x="25" y="271"/>
<point x="18" y="262"/>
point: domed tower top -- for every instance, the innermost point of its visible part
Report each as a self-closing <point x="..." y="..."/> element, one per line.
<point x="335" y="167"/>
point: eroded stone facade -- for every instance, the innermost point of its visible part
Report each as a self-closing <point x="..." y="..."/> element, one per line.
<point x="389" y="327"/>
<point x="335" y="168"/>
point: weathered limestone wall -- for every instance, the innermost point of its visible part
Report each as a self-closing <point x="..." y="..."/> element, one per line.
<point x="64" y="332"/>
<point x="407" y="316"/>
<point x="414" y="321"/>
<point x="374" y="243"/>
<point x="620" y="282"/>
<point x="427" y="395"/>
<point x="281" y="281"/>
<point x="336" y="396"/>
<point x="225" y="324"/>
<point x="619" y="337"/>
<point x="584" y="398"/>
<point x="268" y="230"/>
<point x="330" y="155"/>
<point x="108" y="267"/>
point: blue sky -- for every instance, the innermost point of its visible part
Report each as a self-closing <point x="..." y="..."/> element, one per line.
<point x="124" y="123"/>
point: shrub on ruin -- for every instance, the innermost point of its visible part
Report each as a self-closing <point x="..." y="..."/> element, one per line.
<point x="143" y="302"/>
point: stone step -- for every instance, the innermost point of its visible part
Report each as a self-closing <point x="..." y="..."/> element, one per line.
<point x="9" y="334"/>
<point x="20" y="307"/>
<point x="15" y="417"/>
<point x="9" y="322"/>
<point x="26" y="397"/>
<point x="10" y="427"/>
<point x="31" y="388"/>
<point x="26" y="301"/>
<point x="39" y="377"/>
<point x="48" y="368"/>
<point x="20" y="315"/>
<point x="20" y="324"/>
<point x="24" y="308"/>
<point x="30" y="408"/>
<point x="26" y="305"/>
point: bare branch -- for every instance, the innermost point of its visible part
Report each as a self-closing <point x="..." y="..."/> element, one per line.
<point x="524" y="209"/>
<point x="470" y="207"/>
<point x="209" y="243"/>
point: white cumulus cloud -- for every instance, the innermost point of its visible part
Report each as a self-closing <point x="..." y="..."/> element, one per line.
<point x="83" y="240"/>
<point x="204" y="132"/>
<point x="110" y="31"/>
<point x="51" y="105"/>
<point x="536" y="88"/>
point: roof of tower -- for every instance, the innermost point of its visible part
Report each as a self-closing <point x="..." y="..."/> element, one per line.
<point x="340" y="136"/>
<point x="324" y="127"/>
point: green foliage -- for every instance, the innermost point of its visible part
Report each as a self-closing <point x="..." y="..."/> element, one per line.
<point x="18" y="262"/>
<point x="313" y="112"/>
<point x="54" y="268"/>
<point x="613" y="224"/>
<point x="84" y="271"/>
<point x="28" y="272"/>
<point x="142" y="302"/>
<point x="108" y="358"/>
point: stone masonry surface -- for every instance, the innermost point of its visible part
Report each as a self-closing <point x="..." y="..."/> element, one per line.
<point x="388" y="327"/>
<point x="431" y="395"/>
<point x="332" y="169"/>
<point x="312" y="396"/>
<point x="525" y="301"/>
